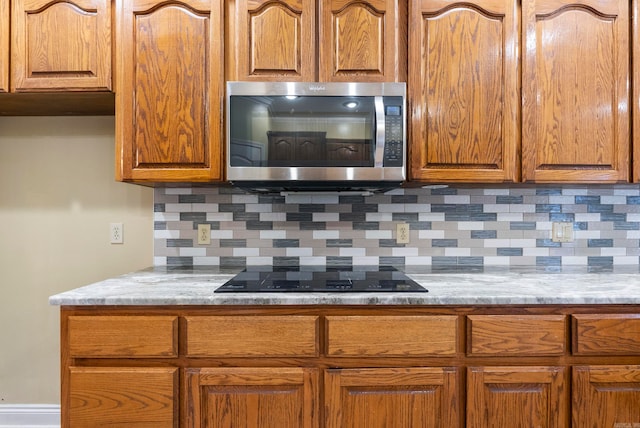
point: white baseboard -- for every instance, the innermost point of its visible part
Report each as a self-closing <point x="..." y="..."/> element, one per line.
<point x="29" y="416"/>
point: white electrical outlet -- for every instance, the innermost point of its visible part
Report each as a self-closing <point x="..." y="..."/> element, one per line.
<point x="116" y="233"/>
<point x="204" y="234"/>
<point x="562" y="232"/>
<point x="402" y="233"/>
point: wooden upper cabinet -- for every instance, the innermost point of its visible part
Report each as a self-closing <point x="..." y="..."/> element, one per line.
<point x="463" y="91"/>
<point x="59" y="46"/>
<point x="4" y="46"/>
<point x="576" y="91"/>
<point x="271" y="40"/>
<point x="362" y="40"/>
<point x="310" y="40"/>
<point x="170" y="92"/>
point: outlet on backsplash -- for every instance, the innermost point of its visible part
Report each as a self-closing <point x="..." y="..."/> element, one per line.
<point x="402" y="233"/>
<point x="562" y="232"/>
<point x="204" y="234"/>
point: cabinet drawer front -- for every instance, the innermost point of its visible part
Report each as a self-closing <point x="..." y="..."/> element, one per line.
<point x="406" y="336"/>
<point x="516" y="334"/>
<point x="606" y="334"/>
<point x="252" y="336"/>
<point x="123" y="396"/>
<point x="123" y="336"/>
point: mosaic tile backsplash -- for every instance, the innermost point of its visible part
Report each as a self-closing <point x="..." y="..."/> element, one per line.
<point x="452" y="225"/>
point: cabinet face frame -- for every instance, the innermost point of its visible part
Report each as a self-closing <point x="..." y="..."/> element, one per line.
<point x="165" y="143"/>
<point x="4" y="46"/>
<point x="76" y="53"/>
<point x="462" y="147"/>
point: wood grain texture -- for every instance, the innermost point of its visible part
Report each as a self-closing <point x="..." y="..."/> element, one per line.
<point x="143" y="397"/>
<point x="170" y="94"/>
<point x="606" y="396"/>
<point x="257" y="397"/>
<point x="4" y="46"/>
<point x="362" y="41"/>
<point x="61" y="46"/>
<point x="392" y="397"/>
<point x="516" y="397"/>
<point x="271" y="40"/>
<point x="609" y="334"/>
<point x="516" y="335"/>
<point x="391" y="335"/>
<point x="576" y="125"/>
<point x="123" y="336"/>
<point x="244" y="336"/>
<point x="465" y="112"/>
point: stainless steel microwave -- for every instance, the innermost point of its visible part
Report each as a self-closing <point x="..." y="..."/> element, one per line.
<point x="292" y="136"/>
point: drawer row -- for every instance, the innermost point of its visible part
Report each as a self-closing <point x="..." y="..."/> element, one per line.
<point x="156" y="336"/>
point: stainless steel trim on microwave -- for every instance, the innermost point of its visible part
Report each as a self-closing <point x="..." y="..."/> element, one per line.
<point x="380" y="128"/>
<point x="328" y="176"/>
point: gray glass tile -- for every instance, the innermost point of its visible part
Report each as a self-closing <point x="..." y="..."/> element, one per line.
<point x="313" y="225"/>
<point x="233" y="243"/>
<point x="285" y="243"/>
<point x="404" y="199"/>
<point x="158" y="208"/>
<point x="504" y="199"/>
<point x="339" y="243"/>
<point x="444" y="242"/>
<point x="179" y="261"/>
<point x="406" y="217"/>
<point x="191" y="199"/>
<point x="600" y="243"/>
<point x="522" y="225"/>
<point x="366" y="225"/>
<point x="259" y="225"/>
<point x="353" y="216"/>
<point x="548" y="208"/>
<point x="199" y="217"/>
<point x="180" y="243"/>
<point x="509" y="251"/>
<point x="548" y="261"/>
<point x="484" y="234"/>
<point x="391" y="261"/>
<point x="599" y="261"/>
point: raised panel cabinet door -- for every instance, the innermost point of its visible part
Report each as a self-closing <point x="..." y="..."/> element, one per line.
<point x="4" y="46"/>
<point x="464" y="91"/>
<point x="271" y="40"/>
<point x="248" y="397"/>
<point x="169" y="90"/>
<point x="606" y="396"/>
<point x="362" y="40"/>
<point x="516" y="397"/>
<point x="575" y="89"/>
<point x="392" y="398"/>
<point x="141" y="397"/>
<point x="60" y="45"/>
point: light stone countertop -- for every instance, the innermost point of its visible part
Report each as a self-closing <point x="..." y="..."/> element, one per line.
<point x="449" y="286"/>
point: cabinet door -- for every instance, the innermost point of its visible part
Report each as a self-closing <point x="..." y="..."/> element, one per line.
<point x="464" y="101"/>
<point x="516" y="397"/>
<point x="110" y="396"/>
<point x="252" y="397"/>
<point x="169" y="97"/>
<point x="4" y="46"/>
<point x="362" y="40"/>
<point x="271" y="40"/>
<point x="63" y="46"/>
<point x="606" y="396"/>
<point x="575" y="91"/>
<point x="392" y="397"/>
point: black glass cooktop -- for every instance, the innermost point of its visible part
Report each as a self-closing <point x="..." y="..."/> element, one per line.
<point x="356" y="279"/>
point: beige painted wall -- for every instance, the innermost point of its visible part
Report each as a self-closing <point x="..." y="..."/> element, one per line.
<point x="57" y="198"/>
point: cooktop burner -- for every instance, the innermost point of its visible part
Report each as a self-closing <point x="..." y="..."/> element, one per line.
<point x="356" y="279"/>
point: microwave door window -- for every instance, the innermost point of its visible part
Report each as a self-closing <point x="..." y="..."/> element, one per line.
<point x="305" y="131"/>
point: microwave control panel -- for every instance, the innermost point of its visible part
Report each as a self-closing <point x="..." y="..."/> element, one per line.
<point x="394" y="132"/>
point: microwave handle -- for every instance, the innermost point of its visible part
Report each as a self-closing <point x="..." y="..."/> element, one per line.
<point x="380" y="132"/>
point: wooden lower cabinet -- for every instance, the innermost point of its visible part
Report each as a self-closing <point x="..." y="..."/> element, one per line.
<point x="392" y="397"/>
<point x="139" y="397"/>
<point x="339" y="366"/>
<point x="239" y="397"/>
<point x="516" y="397"/>
<point x="606" y="396"/>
